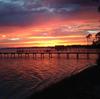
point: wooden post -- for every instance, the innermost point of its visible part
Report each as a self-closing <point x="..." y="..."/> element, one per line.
<point x="77" y="56"/>
<point x="11" y="55"/>
<point x="42" y="55"/>
<point x="67" y="55"/>
<point x="58" y="55"/>
<point x="14" y="55"/>
<point x="33" y="55"/>
<point x="4" y="55"/>
<point x="21" y="55"/>
<point x="7" y="55"/>
<point x="28" y="55"/>
<point x="25" y="55"/>
<point x="88" y="56"/>
<point x="50" y="55"/>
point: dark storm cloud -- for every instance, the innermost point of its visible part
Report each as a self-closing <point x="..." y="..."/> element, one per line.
<point x="25" y="12"/>
<point x="14" y="19"/>
<point x="82" y="2"/>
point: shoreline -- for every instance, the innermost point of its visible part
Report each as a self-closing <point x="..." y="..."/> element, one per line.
<point x="84" y="85"/>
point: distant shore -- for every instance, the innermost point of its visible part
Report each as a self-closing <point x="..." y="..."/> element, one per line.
<point x="85" y="85"/>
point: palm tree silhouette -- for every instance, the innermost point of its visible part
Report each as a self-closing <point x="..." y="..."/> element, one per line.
<point x="88" y="38"/>
<point x="96" y="40"/>
<point x="97" y="36"/>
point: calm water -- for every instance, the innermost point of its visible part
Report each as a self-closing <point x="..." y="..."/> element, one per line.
<point x="22" y="77"/>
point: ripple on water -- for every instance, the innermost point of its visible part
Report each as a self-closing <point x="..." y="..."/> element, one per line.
<point x="22" y="77"/>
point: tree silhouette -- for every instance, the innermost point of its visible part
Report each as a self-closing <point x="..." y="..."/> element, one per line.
<point x="97" y="36"/>
<point x="88" y="38"/>
<point x="97" y="39"/>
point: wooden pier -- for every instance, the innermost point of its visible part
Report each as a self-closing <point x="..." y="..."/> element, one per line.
<point x="50" y="54"/>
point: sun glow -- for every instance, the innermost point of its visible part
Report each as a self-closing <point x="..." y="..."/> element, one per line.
<point x="45" y="43"/>
<point x="50" y="34"/>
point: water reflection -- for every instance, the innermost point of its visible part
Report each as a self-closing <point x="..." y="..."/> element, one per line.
<point x="21" y="77"/>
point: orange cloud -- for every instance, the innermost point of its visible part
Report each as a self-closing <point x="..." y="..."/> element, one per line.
<point x="56" y="32"/>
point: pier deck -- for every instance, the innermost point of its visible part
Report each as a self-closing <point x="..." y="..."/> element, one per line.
<point x="50" y="54"/>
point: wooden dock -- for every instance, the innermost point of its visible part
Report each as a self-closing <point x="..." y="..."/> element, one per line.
<point x="50" y="54"/>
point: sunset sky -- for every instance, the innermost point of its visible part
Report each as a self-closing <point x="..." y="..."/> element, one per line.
<point x="25" y="23"/>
